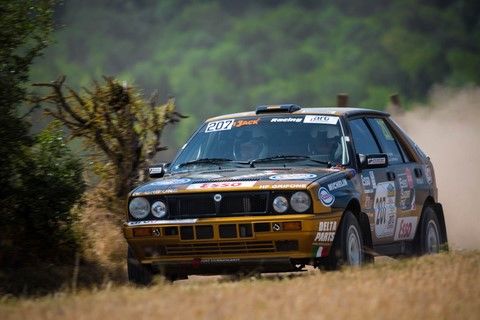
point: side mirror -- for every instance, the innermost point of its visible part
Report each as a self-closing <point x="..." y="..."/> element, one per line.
<point x="157" y="171"/>
<point x="374" y="160"/>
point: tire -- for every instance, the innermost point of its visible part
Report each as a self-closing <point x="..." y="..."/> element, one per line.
<point x="347" y="248"/>
<point x="138" y="273"/>
<point x="429" y="239"/>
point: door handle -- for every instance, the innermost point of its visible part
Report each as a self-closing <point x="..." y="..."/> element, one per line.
<point x="418" y="172"/>
<point x="390" y="176"/>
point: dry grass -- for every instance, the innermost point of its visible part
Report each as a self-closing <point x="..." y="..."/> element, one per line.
<point x="445" y="286"/>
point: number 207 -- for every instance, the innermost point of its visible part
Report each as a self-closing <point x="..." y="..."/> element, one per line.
<point x="219" y="125"/>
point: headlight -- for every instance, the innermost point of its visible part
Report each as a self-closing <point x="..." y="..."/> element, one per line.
<point x="280" y="204"/>
<point x="300" y="201"/>
<point x="159" y="209"/>
<point x="139" y="208"/>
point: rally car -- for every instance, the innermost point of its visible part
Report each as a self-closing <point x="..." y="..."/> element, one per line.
<point x="282" y="187"/>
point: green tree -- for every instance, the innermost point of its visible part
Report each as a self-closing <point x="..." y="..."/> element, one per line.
<point x="40" y="179"/>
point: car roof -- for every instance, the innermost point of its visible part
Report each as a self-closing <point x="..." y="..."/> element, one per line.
<point x="337" y="111"/>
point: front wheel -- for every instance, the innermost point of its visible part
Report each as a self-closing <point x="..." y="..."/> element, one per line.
<point x="347" y="248"/>
<point x="138" y="273"/>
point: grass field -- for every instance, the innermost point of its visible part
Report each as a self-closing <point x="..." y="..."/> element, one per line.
<point x="445" y="286"/>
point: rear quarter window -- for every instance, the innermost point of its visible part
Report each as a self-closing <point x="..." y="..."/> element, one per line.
<point x="387" y="140"/>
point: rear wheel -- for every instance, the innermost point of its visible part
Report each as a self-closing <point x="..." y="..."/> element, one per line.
<point x="347" y="248"/>
<point x="138" y="273"/>
<point x="430" y="239"/>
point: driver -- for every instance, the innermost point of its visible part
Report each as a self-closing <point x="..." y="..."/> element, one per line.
<point x="248" y="146"/>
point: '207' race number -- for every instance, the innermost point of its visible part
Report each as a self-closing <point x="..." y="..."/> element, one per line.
<point x="220" y="125"/>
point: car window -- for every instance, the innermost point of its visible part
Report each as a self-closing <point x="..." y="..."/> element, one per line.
<point x="386" y="139"/>
<point x="362" y="137"/>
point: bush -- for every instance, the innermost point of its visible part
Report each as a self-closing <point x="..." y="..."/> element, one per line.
<point x="38" y="223"/>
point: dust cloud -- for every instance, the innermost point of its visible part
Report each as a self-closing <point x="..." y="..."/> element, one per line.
<point x="448" y="130"/>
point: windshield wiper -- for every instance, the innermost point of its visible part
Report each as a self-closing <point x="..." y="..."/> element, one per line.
<point x="288" y="158"/>
<point x="209" y="161"/>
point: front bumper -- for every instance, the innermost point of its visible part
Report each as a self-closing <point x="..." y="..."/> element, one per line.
<point x="229" y="242"/>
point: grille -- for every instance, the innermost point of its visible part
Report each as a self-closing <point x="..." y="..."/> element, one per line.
<point x="219" y="248"/>
<point x="198" y="205"/>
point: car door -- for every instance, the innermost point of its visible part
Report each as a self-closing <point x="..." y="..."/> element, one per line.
<point x="379" y="190"/>
<point x="401" y="171"/>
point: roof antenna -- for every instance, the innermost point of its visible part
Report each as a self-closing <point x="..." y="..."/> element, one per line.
<point x="342" y="100"/>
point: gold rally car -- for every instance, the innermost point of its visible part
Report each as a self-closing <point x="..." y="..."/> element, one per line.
<point x="281" y="187"/>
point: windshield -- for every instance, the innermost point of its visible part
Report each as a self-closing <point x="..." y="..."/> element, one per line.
<point x="290" y="140"/>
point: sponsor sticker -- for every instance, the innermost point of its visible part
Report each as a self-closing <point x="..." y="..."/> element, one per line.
<point x="170" y="182"/>
<point x="325" y="197"/>
<point x="155" y="170"/>
<point x="146" y="193"/>
<point x="152" y="222"/>
<point x="220" y="125"/>
<point x="324" y="237"/>
<point x="242" y="123"/>
<point x="286" y="120"/>
<point x="219" y="260"/>
<point x="372" y="179"/>
<point x="327" y="226"/>
<point x="326" y="231"/>
<point x="253" y="175"/>
<point x="385" y="209"/>
<point x="283" y="186"/>
<point x="408" y="172"/>
<point x="320" y="119"/>
<point x="375" y="161"/>
<point x="368" y="202"/>
<point x="337" y="184"/>
<point x="220" y="185"/>
<point x="293" y="176"/>
<point x="318" y="252"/>
<point x="366" y="181"/>
<point x="419" y="181"/>
<point x="206" y="176"/>
<point x="407" y="193"/>
<point x="405" y="229"/>
<point x="428" y="174"/>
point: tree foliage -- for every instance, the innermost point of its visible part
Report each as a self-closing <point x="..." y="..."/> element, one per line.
<point x="121" y="131"/>
<point x="227" y="56"/>
<point x="40" y="179"/>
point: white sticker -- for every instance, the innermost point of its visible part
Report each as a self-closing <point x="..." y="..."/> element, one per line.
<point x="155" y="170"/>
<point x="286" y="120"/>
<point x="252" y="175"/>
<point x="294" y="176"/>
<point x="428" y="174"/>
<point x="169" y="182"/>
<point x="283" y="186"/>
<point x="220" y="125"/>
<point x="153" y="222"/>
<point x="372" y="178"/>
<point x="337" y="184"/>
<point x="324" y="237"/>
<point x="206" y="176"/>
<point x="385" y="209"/>
<point x="220" y="185"/>
<point x="318" y="254"/>
<point x="366" y="181"/>
<point x="325" y="197"/>
<point x="320" y="119"/>
<point x="376" y="161"/>
<point x="405" y="229"/>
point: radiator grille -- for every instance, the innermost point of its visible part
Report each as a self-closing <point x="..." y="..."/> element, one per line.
<point x="203" y="205"/>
